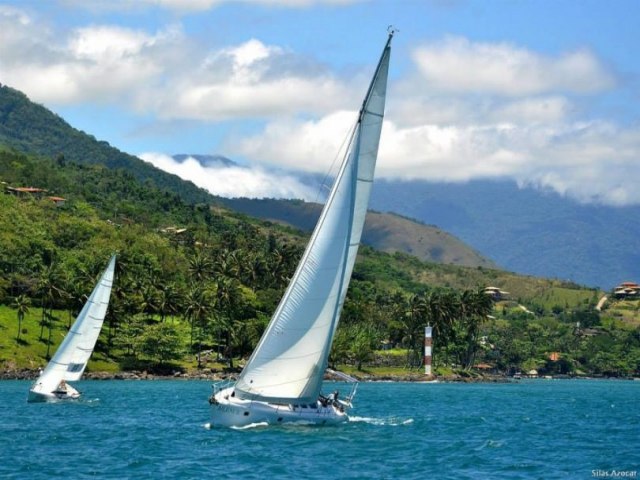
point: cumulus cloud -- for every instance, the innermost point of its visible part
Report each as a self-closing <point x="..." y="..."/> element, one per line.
<point x="311" y="146"/>
<point x="251" y="80"/>
<point x="162" y="73"/>
<point x="97" y="63"/>
<point x="457" y="64"/>
<point x="234" y="181"/>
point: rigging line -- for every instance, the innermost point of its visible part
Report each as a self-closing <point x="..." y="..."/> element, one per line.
<point x="347" y="141"/>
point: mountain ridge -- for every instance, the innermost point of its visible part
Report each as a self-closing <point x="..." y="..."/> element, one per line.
<point x="387" y="232"/>
<point x="531" y="231"/>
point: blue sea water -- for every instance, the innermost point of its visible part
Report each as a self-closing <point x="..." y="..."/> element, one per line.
<point x="159" y="430"/>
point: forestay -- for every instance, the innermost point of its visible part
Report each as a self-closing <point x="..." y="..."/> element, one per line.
<point x="289" y="362"/>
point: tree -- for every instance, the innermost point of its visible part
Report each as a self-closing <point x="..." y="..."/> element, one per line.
<point x="21" y="303"/>
<point x="162" y="342"/>
<point x="200" y="266"/>
<point x="198" y="308"/>
<point x="50" y="278"/>
<point x="363" y="344"/>
<point x="413" y="319"/>
<point x="228" y="302"/>
<point x="475" y="307"/>
<point x="169" y="300"/>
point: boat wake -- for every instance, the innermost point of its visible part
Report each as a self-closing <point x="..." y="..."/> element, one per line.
<point x="391" y="421"/>
<point x="209" y="426"/>
<point x="251" y="426"/>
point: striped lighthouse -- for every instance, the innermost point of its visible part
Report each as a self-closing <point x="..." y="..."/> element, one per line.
<point x="427" y="350"/>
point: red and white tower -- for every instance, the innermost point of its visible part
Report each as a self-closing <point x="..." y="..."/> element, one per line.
<point x="427" y="350"/>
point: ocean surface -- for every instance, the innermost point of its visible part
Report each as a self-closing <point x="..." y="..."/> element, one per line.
<point x="537" y="429"/>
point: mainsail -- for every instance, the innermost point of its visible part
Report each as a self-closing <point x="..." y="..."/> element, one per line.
<point x="72" y="356"/>
<point x="289" y="362"/>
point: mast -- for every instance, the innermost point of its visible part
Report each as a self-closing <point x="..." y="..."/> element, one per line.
<point x="289" y="362"/>
<point x="344" y="278"/>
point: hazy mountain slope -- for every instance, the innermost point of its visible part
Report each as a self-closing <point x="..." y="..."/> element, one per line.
<point x="526" y="230"/>
<point x="385" y="232"/>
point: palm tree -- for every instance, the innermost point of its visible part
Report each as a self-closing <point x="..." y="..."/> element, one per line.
<point x="150" y="300"/>
<point x="21" y="303"/>
<point x="228" y="300"/>
<point x="50" y="292"/>
<point x="476" y="305"/>
<point x="169" y="300"/>
<point x="200" y="266"/>
<point x="197" y="310"/>
<point x="413" y="319"/>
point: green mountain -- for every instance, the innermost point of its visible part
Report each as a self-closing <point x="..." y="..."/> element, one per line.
<point x="385" y="232"/>
<point x="31" y="128"/>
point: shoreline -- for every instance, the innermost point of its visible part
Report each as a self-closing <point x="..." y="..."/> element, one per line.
<point x="365" y="377"/>
<point x="221" y="376"/>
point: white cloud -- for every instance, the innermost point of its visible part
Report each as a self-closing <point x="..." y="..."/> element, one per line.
<point x="251" y="80"/>
<point x="458" y="65"/>
<point x="254" y="182"/>
<point x="589" y="162"/>
<point x="161" y="73"/>
<point x="97" y="63"/>
<point x="311" y="146"/>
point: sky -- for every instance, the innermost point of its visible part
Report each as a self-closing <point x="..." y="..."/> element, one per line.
<point x="541" y="92"/>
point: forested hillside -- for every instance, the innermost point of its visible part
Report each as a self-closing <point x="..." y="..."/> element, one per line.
<point x="31" y="128"/>
<point x="196" y="284"/>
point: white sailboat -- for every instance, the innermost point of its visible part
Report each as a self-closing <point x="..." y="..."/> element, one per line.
<point x="71" y="358"/>
<point x="282" y="380"/>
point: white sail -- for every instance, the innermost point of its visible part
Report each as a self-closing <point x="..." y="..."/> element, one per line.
<point x="72" y="356"/>
<point x="289" y="362"/>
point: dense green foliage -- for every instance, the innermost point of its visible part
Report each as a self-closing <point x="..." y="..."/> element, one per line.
<point x="204" y="296"/>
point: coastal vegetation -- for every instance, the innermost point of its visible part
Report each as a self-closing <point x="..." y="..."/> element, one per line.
<point x="196" y="285"/>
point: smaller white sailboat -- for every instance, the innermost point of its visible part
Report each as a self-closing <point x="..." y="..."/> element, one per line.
<point x="282" y="381"/>
<point x="71" y="358"/>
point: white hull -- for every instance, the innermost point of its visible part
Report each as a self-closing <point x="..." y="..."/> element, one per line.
<point x="55" y="396"/>
<point x="230" y="411"/>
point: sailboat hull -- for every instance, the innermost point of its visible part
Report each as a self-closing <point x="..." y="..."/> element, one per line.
<point x="39" y="397"/>
<point x="230" y="411"/>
